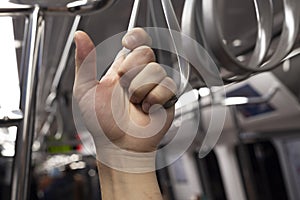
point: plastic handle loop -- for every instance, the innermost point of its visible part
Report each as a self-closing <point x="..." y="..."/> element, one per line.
<point x="173" y="25"/>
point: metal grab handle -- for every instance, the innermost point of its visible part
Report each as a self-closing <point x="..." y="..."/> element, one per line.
<point x="264" y="16"/>
<point x="173" y="25"/>
<point x="213" y="41"/>
<point x="288" y="35"/>
<point x="192" y="22"/>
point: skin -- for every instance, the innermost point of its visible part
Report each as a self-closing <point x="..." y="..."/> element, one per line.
<point x="139" y="83"/>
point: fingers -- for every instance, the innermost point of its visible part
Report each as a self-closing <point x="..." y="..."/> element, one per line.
<point x="85" y="46"/>
<point x="137" y="41"/>
<point x="160" y="94"/>
<point x="145" y="81"/>
<point x="85" y="60"/>
<point x="134" y="63"/>
<point x="151" y="87"/>
<point x="135" y="38"/>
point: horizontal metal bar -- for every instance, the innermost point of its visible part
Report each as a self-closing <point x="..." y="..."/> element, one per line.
<point x="79" y="7"/>
<point x="12" y="9"/>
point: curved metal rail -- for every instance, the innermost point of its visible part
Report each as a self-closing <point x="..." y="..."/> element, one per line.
<point x="212" y="39"/>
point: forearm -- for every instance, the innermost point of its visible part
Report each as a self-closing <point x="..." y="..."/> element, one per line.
<point x="118" y="185"/>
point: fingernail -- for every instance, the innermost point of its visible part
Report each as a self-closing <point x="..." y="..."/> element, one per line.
<point x="130" y="40"/>
<point x="146" y="107"/>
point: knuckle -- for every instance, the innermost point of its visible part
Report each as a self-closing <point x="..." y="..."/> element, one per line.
<point x="146" y="52"/>
<point x="157" y="69"/>
<point x="170" y="84"/>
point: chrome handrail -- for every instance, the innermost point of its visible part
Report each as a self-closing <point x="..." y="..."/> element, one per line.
<point x="288" y="35"/>
<point x="212" y="38"/>
<point x="21" y="167"/>
<point x="13" y="9"/>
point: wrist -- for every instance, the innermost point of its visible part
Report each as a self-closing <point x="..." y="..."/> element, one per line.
<point x="117" y="184"/>
<point x="126" y="160"/>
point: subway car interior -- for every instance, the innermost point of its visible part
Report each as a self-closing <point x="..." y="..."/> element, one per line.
<point x="236" y="129"/>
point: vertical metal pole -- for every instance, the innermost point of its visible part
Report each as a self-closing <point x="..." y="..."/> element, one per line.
<point x="22" y="160"/>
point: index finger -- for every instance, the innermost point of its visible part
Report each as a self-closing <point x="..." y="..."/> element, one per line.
<point x="135" y="38"/>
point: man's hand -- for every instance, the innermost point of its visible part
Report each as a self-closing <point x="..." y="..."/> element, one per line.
<point x="123" y="114"/>
<point x="132" y="88"/>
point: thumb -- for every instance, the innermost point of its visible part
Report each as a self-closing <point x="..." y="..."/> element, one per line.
<point x="85" y="58"/>
<point x="85" y="61"/>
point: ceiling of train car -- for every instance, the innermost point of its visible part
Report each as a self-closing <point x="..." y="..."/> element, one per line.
<point x="106" y="23"/>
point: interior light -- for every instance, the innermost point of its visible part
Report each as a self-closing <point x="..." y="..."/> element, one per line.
<point x="232" y="101"/>
<point x="203" y="92"/>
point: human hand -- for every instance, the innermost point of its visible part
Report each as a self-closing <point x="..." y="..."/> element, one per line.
<point x="123" y="105"/>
